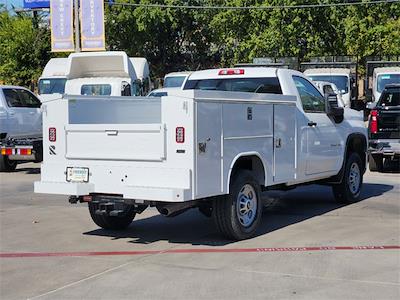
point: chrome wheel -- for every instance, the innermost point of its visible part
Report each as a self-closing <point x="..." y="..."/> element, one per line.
<point x="354" y="178"/>
<point x="246" y="205"/>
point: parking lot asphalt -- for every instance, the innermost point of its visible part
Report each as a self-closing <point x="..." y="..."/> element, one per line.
<point x="308" y="247"/>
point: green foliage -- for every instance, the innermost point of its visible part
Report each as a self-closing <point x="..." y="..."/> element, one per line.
<point x="24" y="49"/>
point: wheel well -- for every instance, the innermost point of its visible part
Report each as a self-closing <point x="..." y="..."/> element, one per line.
<point x="252" y="163"/>
<point x="357" y="143"/>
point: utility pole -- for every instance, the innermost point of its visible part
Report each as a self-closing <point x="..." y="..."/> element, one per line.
<point x="76" y="25"/>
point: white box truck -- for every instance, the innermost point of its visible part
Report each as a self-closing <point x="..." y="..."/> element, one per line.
<point x="215" y="145"/>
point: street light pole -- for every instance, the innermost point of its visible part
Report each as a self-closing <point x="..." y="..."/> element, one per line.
<point x="76" y="25"/>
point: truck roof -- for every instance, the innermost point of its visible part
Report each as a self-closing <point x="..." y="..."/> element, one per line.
<point x="327" y="71"/>
<point x="248" y="72"/>
<point x="386" y="70"/>
<point x="100" y="64"/>
<point x="55" y="67"/>
<point x="183" y="73"/>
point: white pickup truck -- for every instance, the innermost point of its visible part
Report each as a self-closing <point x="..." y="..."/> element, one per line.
<point x="216" y="144"/>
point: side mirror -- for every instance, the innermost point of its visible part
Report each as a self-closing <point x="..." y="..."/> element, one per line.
<point x="332" y="108"/>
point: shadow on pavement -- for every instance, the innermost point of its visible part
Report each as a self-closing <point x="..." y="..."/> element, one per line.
<point x="281" y="209"/>
<point x="27" y="170"/>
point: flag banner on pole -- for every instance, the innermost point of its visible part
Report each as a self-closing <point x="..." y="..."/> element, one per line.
<point x="61" y="22"/>
<point x="92" y="25"/>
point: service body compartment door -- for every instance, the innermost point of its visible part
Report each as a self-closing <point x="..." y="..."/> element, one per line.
<point x="208" y="149"/>
<point x="284" y="143"/>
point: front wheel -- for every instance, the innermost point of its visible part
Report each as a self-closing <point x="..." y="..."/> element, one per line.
<point x="112" y="222"/>
<point x="349" y="190"/>
<point x="238" y="215"/>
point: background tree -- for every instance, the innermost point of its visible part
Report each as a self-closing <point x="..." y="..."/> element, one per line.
<point x="24" y="48"/>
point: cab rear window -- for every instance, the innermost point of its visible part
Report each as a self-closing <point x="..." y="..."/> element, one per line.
<point x="268" y="85"/>
<point x="391" y="97"/>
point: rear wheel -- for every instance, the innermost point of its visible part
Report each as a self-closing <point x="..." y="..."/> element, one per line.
<point x="349" y="189"/>
<point x="238" y="215"/>
<point x="375" y="163"/>
<point x="111" y="222"/>
<point x="7" y="165"/>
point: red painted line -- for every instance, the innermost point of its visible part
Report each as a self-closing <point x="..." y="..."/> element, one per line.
<point x="194" y="250"/>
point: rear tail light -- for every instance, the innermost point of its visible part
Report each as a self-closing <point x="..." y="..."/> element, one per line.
<point x="7" y="151"/>
<point x="180" y="135"/>
<point x="373" y="126"/>
<point x="25" y="151"/>
<point x="231" y="72"/>
<point x="52" y="134"/>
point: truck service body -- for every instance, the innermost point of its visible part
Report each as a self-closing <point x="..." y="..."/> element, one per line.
<point x="226" y="135"/>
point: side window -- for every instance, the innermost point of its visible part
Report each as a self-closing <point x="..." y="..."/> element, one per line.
<point x="311" y="98"/>
<point x="12" y="98"/>
<point x="28" y="99"/>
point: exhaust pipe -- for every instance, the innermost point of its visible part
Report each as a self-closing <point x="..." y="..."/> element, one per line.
<point x="174" y="209"/>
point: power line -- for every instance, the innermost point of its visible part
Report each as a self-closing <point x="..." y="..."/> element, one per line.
<point x="300" y="6"/>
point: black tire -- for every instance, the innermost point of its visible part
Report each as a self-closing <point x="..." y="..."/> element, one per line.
<point x="7" y="165"/>
<point x="114" y="223"/>
<point x="375" y="163"/>
<point x="349" y="190"/>
<point x="227" y="210"/>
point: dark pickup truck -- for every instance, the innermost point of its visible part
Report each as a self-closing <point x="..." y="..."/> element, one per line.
<point x="384" y="128"/>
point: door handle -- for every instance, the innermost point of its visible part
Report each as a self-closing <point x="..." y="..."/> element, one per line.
<point x="312" y="124"/>
<point x="31" y="112"/>
<point x="278" y="143"/>
<point x="11" y="113"/>
<point x="112" y="132"/>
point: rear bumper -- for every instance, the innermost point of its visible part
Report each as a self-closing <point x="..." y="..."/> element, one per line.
<point x="128" y="192"/>
<point x="385" y="147"/>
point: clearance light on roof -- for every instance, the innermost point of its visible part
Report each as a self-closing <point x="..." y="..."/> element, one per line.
<point x="231" y="72"/>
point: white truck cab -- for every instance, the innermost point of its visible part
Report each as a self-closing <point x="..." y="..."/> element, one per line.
<point x="341" y="77"/>
<point x="215" y="145"/>
<point x="101" y="74"/>
<point x="327" y="88"/>
<point x="175" y="79"/>
<point x="382" y="77"/>
<point x="53" y="79"/>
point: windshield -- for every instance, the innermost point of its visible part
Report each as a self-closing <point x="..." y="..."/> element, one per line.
<point x="52" y="86"/>
<point x="339" y="80"/>
<point x="174" y="81"/>
<point x="96" y="89"/>
<point x="385" y="79"/>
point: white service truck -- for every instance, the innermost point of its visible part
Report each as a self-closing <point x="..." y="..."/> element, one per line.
<point x="216" y="144"/>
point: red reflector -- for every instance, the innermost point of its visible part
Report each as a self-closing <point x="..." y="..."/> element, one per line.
<point x="180" y="135"/>
<point x="373" y="125"/>
<point x="231" y="72"/>
<point x="52" y="134"/>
